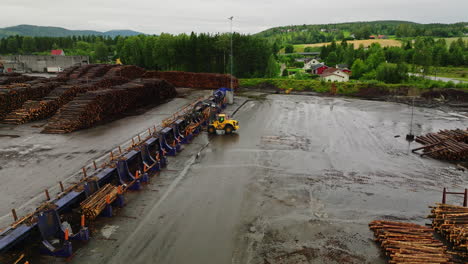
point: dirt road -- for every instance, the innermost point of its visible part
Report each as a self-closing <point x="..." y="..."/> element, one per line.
<point x="298" y="184"/>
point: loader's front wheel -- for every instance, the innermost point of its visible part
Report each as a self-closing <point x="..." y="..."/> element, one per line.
<point x="211" y="130"/>
<point x="228" y="129"/>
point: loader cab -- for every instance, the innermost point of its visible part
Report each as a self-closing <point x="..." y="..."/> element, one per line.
<point x="221" y="118"/>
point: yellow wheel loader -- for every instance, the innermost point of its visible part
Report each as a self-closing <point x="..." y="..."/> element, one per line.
<point x="222" y="122"/>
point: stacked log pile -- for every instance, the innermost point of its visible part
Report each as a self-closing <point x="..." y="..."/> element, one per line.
<point x="98" y="71"/>
<point x="31" y="110"/>
<point x="451" y="222"/>
<point x="13" y="96"/>
<point x="9" y="74"/>
<point x="125" y="71"/>
<point x="13" y="78"/>
<point x="67" y="72"/>
<point x="39" y="109"/>
<point x="41" y="98"/>
<point x="194" y="80"/>
<point x="46" y="107"/>
<point x="407" y="243"/>
<point x="96" y="106"/>
<point x="80" y="71"/>
<point x="445" y="145"/>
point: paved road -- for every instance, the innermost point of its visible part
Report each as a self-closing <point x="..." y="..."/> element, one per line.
<point x="438" y="78"/>
<point x="299" y="183"/>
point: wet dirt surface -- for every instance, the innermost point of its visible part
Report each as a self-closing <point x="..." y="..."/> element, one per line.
<point x="298" y="183"/>
<point x="31" y="162"/>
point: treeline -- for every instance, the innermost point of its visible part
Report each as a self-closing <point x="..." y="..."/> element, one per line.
<point x="29" y="45"/>
<point x="198" y="53"/>
<point x="424" y="51"/>
<point x="194" y="52"/>
<point x="99" y="48"/>
<point x="307" y="34"/>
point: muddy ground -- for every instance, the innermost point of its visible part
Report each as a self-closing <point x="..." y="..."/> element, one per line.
<point x="298" y="183"/>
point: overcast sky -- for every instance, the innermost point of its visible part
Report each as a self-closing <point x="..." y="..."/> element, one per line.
<point x="250" y="16"/>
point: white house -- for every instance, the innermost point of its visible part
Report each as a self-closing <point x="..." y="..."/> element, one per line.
<point x="308" y="65"/>
<point x="334" y="75"/>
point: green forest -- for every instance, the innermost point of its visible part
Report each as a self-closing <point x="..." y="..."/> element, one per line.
<point x="301" y="34"/>
<point x="390" y="64"/>
<point x="256" y="56"/>
<point x="194" y="52"/>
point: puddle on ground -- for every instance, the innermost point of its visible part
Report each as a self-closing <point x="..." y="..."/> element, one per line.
<point x="108" y="230"/>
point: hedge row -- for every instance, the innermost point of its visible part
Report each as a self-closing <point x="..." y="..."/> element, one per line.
<point x="345" y="88"/>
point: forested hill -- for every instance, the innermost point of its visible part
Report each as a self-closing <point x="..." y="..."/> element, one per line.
<point x="300" y="34"/>
<point x="40" y="31"/>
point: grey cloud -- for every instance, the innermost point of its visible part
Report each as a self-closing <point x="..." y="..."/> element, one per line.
<point x="251" y="16"/>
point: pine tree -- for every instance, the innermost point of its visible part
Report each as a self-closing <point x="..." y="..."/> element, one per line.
<point x="273" y="69"/>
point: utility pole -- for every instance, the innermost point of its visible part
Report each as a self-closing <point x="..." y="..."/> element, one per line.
<point x="410" y="136"/>
<point x="231" y="18"/>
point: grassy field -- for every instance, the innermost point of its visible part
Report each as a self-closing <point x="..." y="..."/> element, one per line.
<point x="301" y="47"/>
<point x="296" y="70"/>
<point x="357" y="43"/>
<point x="391" y="42"/>
<point x="450" y="40"/>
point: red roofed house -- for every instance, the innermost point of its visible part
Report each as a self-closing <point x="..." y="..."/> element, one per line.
<point x="319" y="68"/>
<point x="372" y="37"/>
<point x="334" y="75"/>
<point x="57" y="53"/>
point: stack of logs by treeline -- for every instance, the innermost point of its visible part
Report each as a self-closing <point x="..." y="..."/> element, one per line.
<point x="445" y="145"/>
<point x="82" y="96"/>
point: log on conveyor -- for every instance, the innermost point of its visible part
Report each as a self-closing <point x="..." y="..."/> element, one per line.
<point x="451" y="222"/>
<point x="94" y="204"/>
<point x="194" y="80"/>
<point x="94" y="107"/>
<point x="410" y="243"/>
<point x="445" y="145"/>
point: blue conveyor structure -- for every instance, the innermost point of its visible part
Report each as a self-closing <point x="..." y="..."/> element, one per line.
<point x="128" y="170"/>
